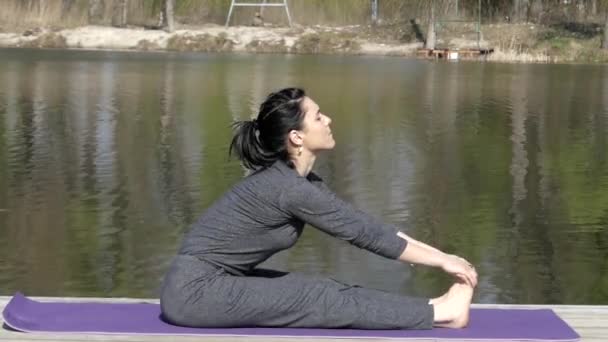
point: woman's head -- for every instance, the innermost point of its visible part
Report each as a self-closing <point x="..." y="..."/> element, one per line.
<point x="288" y="124"/>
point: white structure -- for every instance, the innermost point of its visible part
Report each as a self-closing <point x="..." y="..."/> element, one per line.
<point x="262" y="4"/>
<point x="374" y="11"/>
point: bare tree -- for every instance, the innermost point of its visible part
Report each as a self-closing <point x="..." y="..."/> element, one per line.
<point x="430" y="35"/>
<point x="520" y="10"/>
<point x="96" y="8"/>
<point x="593" y="8"/>
<point x="168" y="15"/>
<point x="66" y="6"/>
<point x="119" y="13"/>
<point x="374" y="12"/>
<point x="536" y="11"/>
<point x="605" y="39"/>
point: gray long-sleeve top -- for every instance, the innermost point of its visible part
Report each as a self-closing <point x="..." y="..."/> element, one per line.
<point x="265" y="213"/>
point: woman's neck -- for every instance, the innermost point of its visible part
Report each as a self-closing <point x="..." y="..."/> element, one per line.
<point x="304" y="163"/>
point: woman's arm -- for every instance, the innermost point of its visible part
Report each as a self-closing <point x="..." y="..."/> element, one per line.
<point x="417" y="252"/>
<point x="414" y="241"/>
<point x="324" y="210"/>
<point x="420" y="253"/>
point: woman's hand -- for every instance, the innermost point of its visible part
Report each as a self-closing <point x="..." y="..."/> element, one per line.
<point x="417" y="252"/>
<point x="460" y="268"/>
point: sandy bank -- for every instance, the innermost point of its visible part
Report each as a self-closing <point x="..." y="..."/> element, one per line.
<point x="211" y="38"/>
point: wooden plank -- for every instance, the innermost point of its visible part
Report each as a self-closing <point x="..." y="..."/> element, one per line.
<point x="444" y="53"/>
<point x="589" y="321"/>
<point x="237" y="4"/>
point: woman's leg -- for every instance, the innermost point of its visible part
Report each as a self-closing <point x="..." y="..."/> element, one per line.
<point x="451" y="310"/>
<point x="295" y="300"/>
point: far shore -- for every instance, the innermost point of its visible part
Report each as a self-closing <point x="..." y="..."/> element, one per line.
<point x="344" y="40"/>
<point x="209" y="38"/>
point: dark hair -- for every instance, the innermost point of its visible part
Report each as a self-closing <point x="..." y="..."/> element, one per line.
<point x="260" y="142"/>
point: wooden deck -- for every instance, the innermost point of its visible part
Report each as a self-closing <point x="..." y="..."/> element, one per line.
<point x="589" y="321"/>
<point x="446" y="53"/>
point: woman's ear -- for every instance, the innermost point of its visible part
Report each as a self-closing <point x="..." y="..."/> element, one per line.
<point x="295" y="138"/>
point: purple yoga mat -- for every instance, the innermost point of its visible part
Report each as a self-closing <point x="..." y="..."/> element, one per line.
<point x="27" y="315"/>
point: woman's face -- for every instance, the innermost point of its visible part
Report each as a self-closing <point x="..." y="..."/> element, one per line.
<point x="316" y="134"/>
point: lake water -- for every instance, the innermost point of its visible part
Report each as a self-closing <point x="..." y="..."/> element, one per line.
<point x="107" y="157"/>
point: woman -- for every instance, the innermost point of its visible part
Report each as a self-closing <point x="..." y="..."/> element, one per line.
<point x="214" y="282"/>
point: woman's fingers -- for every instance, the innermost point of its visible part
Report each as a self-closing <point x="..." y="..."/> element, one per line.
<point x="461" y="269"/>
<point x="469" y="277"/>
<point x="474" y="277"/>
<point x="465" y="279"/>
<point x="472" y="272"/>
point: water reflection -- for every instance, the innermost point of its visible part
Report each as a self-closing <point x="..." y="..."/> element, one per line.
<point x="106" y="158"/>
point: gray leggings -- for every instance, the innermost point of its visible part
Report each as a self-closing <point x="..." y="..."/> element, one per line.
<point x="197" y="294"/>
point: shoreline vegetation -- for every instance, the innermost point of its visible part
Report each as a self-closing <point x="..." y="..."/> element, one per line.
<point x="553" y="35"/>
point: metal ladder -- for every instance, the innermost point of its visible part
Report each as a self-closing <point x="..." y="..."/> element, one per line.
<point x="263" y="4"/>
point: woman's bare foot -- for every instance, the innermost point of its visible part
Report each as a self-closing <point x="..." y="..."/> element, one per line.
<point x="451" y="293"/>
<point x="437" y="300"/>
<point x="452" y="309"/>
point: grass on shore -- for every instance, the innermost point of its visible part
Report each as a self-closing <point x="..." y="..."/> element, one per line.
<point x="554" y="43"/>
